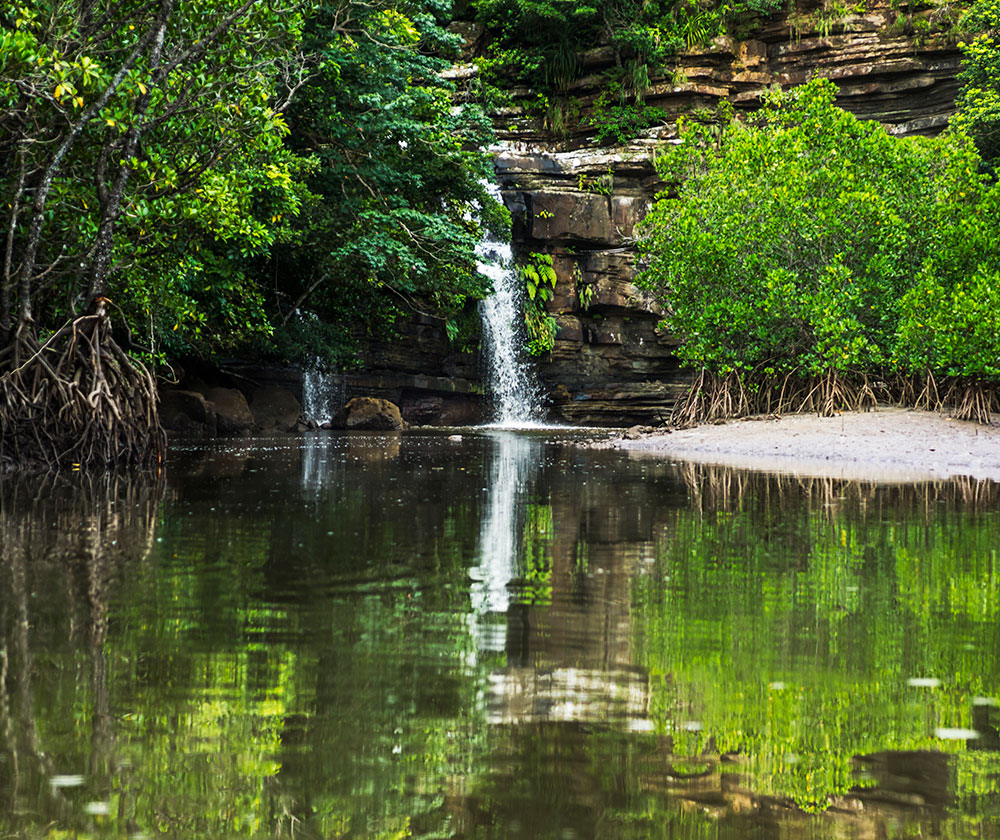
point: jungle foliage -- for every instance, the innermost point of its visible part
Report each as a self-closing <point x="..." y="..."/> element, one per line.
<point x="810" y="260"/>
<point x="539" y="278"/>
<point x="396" y="197"/>
<point x="541" y="44"/>
<point x="210" y="217"/>
<point x="130" y="134"/>
<point x="979" y="101"/>
<point x="147" y="172"/>
<point x="540" y="41"/>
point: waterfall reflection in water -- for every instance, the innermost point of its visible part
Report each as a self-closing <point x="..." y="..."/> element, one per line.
<point x="513" y="467"/>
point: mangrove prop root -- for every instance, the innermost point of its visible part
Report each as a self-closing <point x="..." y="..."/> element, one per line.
<point x="76" y="400"/>
<point x="715" y="397"/>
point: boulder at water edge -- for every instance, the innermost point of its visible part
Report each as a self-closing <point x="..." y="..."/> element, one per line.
<point x="232" y="413"/>
<point x="187" y="413"/>
<point x="369" y="414"/>
<point x="275" y="408"/>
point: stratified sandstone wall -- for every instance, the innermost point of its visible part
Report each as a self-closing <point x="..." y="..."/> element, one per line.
<point x="612" y="364"/>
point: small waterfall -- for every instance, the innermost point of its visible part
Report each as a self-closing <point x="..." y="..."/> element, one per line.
<point x="516" y="393"/>
<point x="322" y="394"/>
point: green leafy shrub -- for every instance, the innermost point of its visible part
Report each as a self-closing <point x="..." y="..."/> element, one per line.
<point x="954" y="330"/>
<point x="398" y="202"/>
<point x="539" y="285"/>
<point x="788" y="258"/>
<point x="539" y="43"/>
<point x="979" y="101"/>
<point x="618" y="120"/>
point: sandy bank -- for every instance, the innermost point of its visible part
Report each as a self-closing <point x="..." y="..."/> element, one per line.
<point x="888" y="444"/>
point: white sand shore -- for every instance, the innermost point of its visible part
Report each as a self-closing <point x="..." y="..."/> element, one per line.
<point x="885" y="445"/>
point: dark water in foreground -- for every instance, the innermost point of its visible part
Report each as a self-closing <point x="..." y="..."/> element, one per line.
<point x="503" y="637"/>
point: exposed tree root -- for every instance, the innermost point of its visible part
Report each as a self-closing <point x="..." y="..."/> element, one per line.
<point x="713" y="398"/>
<point x="76" y="400"/>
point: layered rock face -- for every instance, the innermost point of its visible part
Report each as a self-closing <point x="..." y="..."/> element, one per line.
<point x="431" y="382"/>
<point x="612" y="363"/>
<point x="419" y="371"/>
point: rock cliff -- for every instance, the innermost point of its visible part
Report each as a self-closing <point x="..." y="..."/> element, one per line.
<point x="612" y="364"/>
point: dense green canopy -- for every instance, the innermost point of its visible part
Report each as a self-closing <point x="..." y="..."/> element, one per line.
<point x="979" y="102"/>
<point x="145" y="155"/>
<point x="813" y="244"/>
<point x="397" y="177"/>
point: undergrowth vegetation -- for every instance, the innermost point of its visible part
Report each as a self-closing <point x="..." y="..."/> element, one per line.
<point x="539" y="278"/>
<point x="811" y="261"/>
<point x="542" y="44"/>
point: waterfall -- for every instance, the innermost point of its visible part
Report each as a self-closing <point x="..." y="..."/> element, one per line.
<point x="516" y="393"/>
<point x="322" y="394"/>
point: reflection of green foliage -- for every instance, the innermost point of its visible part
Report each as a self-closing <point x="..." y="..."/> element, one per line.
<point x="539" y="531"/>
<point x="242" y="659"/>
<point x="853" y="606"/>
<point x="226" y="707"/>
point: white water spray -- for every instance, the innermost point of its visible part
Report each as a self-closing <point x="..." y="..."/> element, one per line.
<point x="516" y="393"/>
<point x="322" y="394"/>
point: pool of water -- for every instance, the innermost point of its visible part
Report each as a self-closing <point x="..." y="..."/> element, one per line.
<point x="499" y="636"/>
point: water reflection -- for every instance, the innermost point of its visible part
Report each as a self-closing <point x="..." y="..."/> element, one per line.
<point x="390" y="636"/>
<point x="66" y="542"/>
<point x="513" y="467"/>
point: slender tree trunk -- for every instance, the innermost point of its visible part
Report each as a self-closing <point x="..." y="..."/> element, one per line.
<point x="111" y="200"/>
<point x="8" y="283"/>
<point x="26" y="273"/>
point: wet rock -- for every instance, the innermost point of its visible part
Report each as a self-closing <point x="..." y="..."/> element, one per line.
<point x="636" y="432"/>
<point x="232" y="414"/>
<point x="579" y="217"/>
<point x="461" y="412"/>
<point x="422" y="411"/>
<point x="570" y="328"/>
<point x="187" y="413"/>
<point x="369" y="414"/>
<point x="275" y="408"/>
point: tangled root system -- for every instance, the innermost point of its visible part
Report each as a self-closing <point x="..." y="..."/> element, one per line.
<point x="713" y="397"/>
<point x="76" y="400"/>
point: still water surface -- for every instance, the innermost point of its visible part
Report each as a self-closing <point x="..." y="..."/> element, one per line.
<point x="506" y="636"/>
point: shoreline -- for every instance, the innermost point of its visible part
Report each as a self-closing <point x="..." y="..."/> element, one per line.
<point x="888" y="444"/>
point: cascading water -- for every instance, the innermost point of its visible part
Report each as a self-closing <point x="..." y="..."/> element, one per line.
<point x="322" y="394"/>
<point x="515" y="391"/>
